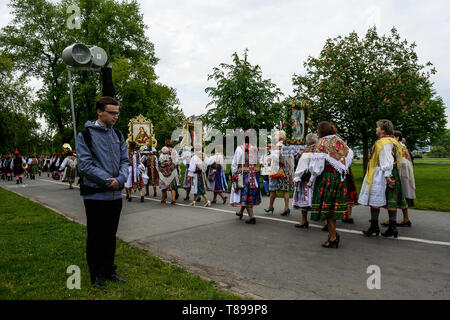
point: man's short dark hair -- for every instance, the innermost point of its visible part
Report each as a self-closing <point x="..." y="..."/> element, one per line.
<point x="103" y="101"/>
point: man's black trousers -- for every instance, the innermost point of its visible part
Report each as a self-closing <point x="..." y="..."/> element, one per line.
<point x="102" y="223"/>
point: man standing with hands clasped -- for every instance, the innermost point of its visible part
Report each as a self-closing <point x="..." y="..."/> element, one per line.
<point x="103" y="166"/>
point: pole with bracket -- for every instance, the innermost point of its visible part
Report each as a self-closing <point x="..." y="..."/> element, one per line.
<point x="72" y="105"/>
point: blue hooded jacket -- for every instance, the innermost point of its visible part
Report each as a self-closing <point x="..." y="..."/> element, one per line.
<point x="109" y="159"/>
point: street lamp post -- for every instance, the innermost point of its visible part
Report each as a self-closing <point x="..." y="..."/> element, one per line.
<point x="72" y="105"/>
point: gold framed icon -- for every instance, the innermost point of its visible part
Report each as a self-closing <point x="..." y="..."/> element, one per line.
<point x="140" y="130"/>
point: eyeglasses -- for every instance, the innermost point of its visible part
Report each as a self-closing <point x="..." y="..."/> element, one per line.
<point x="113" y="113"/>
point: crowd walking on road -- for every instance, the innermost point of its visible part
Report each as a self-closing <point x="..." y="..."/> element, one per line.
<point x="318" y="181"/>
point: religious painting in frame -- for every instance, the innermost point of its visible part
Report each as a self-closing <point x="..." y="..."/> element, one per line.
<point x="140" y="130"/>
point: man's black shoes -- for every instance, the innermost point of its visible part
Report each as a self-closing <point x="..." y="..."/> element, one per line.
<point x="98" y="283"/>
<point x="115" y="278"/>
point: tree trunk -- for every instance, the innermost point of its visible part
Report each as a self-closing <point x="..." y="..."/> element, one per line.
<point x="60" y="124"/>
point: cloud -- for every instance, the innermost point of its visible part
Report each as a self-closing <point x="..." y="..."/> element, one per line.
<point x="193" y="37"/>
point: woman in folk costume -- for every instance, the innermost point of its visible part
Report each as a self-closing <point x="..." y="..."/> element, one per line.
<point x="176" y="159"/>
<point x="168" y="174"/>
<point x="280" y="163"/>
<point x="382" y="186"/>
<point x="408" y="183"/>
<point x="17" y="167"/>
<point x="136" y="172"/>
<point x="150" y="161"/>
<point x="331" y="160"/>
<point x="302" y="193"/>
<point x="33" y="165"/>
<point x="186" y="156"/>
<point x="70" y="166"/>
<point x="196" y="173"/>
<point x="245" y="192"/>
<point x="55" y="165"/>
<point x="215" y="175"/>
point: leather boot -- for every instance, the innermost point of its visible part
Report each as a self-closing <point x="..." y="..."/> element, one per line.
<point x="374" y="228"/>
<point x="391" y="231"/>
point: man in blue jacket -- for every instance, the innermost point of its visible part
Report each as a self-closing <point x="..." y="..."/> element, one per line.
<point x="103" y="165"/>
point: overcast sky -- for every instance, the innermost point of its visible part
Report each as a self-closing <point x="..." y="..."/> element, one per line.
<point x="192" y="37"/>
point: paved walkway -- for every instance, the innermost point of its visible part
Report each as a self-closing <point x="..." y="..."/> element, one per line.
<point x="272" y="259"/>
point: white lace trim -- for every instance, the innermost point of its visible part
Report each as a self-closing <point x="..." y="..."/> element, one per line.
<point x="307" y="155"/>
<point x="341" y="168"/>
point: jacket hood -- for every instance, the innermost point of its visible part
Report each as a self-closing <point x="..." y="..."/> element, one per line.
<point x="91" y="124"/>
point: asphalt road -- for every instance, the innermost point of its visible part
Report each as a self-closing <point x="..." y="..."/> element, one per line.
<point x="272" y="259"/>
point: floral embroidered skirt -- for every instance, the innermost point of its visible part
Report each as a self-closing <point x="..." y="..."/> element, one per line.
<point x="248" y="196"/>
<point x="34" y="169"/>
<point x="201" y="189"/>
<point x="280" y="184"/>
<point x="329" y="197"/>
<point x="395" y="198"/>
<point x="70" y="175"/>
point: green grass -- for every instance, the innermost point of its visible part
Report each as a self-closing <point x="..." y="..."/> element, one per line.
<point x="37" y="245"/>
<point x="431" y="185"/>
<point x="421" y="160"/>
<point x="418" y="160"/>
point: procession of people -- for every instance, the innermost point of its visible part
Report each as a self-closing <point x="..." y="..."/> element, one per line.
<point x="320" y="179"/>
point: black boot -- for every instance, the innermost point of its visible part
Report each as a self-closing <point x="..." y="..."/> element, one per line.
<point x="374" y="228"/>
<point x="391" y="231"/>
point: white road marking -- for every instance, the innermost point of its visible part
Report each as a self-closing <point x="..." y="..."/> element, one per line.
<point x="443" y="243"/>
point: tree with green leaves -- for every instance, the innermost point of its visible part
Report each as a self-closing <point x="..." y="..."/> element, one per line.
<point x="242" y="98"/>
<point x="139" y="93"/>
<point x="444" y="141"/>
<point x="357" y="81"/>
<point x="18" y="127"/>
<point x="38" y="34"/>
